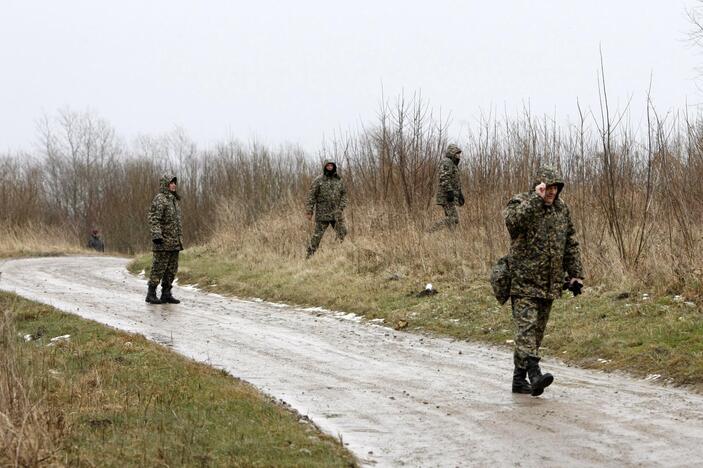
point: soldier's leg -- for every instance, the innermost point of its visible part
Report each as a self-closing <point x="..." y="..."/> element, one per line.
<point x="340" y="227"/>
<point x="320" y="227"/>
<point x="170" y="270"/>
<point x="545" y="306"/>
<point x="169" y="276"/>
<point x="525" y="316"/>
<point x="450" y="220"/>
<point x="529" y="316"/>
<point x="451" y="216"/>
<point x="158" y="267"/>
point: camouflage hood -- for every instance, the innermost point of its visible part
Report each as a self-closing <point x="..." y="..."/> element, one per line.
<point x="334" y="171"/>
<point x="453" y="152"/>
<point x="164" y="181"/>
<point x="550" y="176"/>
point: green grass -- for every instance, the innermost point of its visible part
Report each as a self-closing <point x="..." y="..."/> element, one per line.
<point x="596" y="330"/>
<point x="115" y="399"/>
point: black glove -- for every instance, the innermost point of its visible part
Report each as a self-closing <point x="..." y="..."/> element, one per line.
<point x="574" y="287"/>
<point x="450" y="197"/>
<point x="158" y="241"/>
<point x="460" y="199"/>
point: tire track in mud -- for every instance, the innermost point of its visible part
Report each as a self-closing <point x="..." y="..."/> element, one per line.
<point x="394" y="398"/>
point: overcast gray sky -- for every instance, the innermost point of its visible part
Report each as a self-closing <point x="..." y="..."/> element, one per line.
<point x="297" y="71"/>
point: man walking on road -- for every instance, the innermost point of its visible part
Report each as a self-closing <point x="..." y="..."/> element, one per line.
<point x="543" y="252"/>
<point x="327" y="199"/>
<point x="449" y="194"/>
<point x="165" y="225"/>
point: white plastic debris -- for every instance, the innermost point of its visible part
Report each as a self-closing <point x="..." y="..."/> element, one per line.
<point x="652" y="377"/>
<point x="58" y="339"/>
<point x="28" y="338"/>
<point x="428" y="287"/>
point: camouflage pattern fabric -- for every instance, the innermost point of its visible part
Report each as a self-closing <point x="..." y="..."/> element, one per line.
<point x="451" y="218"/>
<point x="165" y="218"/>
<point x="327" y="197"/>
<point x="542" y="243"/>
<point x="530" y="316"/>
<point x="449" y="188"/>
<point x="164" y="268"/>
<point x="320" y="226"/>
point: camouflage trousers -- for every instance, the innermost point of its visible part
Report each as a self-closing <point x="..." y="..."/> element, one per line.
<point x="164" y="268"/>
<point x="451" y="218"/>
<point x="320" y="226"/>
<point x="530" y="315"/>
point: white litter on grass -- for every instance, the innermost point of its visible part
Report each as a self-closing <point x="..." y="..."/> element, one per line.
<point x="690" y="304"/>
<point x="28" y="338"/>
<point x="377" y="320"/>
<point x="428" y="287"/>
<point x="652" y="377"/>
<point x="142" y="274"/>
<point x="645" y="297"/>
<point x="58" y="339"/>
<point x="454" y="320"/>
<point x="509" y="341"/>
<point x="604" y="361"/>
<point x="678" y="298"/>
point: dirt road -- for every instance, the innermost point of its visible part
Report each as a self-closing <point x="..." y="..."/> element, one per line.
<point x="394" y="398"/>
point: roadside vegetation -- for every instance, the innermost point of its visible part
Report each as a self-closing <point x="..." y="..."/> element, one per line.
<point x="99" y="397"/>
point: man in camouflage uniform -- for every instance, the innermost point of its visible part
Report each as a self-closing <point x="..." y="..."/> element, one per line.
<point x="449" y="194"/>
<point x="327" y="199"/>
<point x="543" y="253"/>
<point x="165" y="225"/>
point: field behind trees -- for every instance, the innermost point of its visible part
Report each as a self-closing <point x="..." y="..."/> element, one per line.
<point x="635" y="191"/>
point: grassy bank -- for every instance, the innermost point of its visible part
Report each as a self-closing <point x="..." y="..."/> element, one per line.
<point x="106" y="398"/>
<point x="38" y="240"/>
<point x="607" y="327"/>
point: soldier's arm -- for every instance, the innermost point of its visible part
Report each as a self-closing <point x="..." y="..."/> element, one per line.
<point x="154" y="217"/>
<point x="445" y="178"/>
<point x="520" y="212"/>
<point x="312" y="197"/>
<point x="572" y="253"/>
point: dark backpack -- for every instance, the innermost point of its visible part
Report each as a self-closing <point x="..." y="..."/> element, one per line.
<point x="500" y="279"/>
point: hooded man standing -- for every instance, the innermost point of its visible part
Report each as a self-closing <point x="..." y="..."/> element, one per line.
<point x="543" y="252"/>
<point x="165" y="225"/>
<point x="327" y="199"/>
<point x="449" y="194"/>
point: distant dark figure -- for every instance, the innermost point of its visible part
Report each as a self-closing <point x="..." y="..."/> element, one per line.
<point x="95" y="242"/>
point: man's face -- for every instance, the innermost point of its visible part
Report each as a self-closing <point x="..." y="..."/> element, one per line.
<point x="172" y="186"/>
<point x="329" y="167"/>
<point x="550" y="194"/>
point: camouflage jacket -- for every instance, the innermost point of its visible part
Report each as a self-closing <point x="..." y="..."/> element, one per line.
<point x="542" y="245"/>
<point x="449" y="188"/>
<point x="327" y="197"/>
<point x="165" y="218"/>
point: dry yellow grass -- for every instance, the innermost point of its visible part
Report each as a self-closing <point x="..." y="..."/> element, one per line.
<point x="37" y="240"/>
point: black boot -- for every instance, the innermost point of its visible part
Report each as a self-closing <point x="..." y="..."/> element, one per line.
<point x="520" y="384"/>
<point x="538" y="381"/>
<point x="167" y="298"/>
<point x="151" y="296"/>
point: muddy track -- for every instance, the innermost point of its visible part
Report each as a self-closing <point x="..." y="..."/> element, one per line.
<point x="394" y="398"/>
